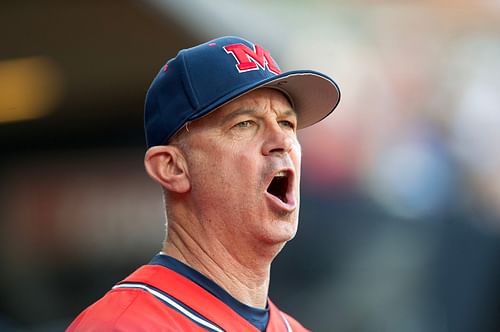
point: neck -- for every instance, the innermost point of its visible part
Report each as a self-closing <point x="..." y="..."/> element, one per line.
<point x="238" y="270"/>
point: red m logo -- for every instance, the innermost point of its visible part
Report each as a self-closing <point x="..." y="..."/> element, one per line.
<point x="248" y="59"/>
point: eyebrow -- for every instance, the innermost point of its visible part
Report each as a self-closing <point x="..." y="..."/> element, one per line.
<point x="248" y="111"/>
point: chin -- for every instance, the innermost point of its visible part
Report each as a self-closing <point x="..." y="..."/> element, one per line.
<point x="281" y="232"/>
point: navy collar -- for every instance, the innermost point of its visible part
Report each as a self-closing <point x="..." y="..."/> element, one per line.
<point x="255" y="316"/>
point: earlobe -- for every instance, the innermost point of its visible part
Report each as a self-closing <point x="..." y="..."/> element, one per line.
<point x="167" y="166"/>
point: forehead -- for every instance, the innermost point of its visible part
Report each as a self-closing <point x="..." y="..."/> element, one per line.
<point x="263" y="99"/>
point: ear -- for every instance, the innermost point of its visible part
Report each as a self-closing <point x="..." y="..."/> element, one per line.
<point x="167" y="166"/>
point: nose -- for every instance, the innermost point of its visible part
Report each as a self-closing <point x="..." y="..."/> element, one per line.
<point x="277" y="141"/>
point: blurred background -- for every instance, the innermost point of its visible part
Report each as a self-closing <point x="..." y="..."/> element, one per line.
<point x="400" y="214"/>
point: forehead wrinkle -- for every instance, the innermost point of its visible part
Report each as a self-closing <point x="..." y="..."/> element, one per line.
<point x="252" y="111"/>
<point x="265" y="100"/>
<point x="238" y="112"/>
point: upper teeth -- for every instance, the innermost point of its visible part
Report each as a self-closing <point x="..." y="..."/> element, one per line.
<point x="281" y="174"/>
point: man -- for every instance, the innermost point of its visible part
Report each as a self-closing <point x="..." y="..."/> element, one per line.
<point x="221" y="126"/>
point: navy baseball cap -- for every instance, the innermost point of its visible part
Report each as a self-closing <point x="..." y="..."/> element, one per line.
<point x="202" y="78"/>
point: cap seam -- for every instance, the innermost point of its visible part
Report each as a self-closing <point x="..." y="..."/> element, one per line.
<point x="186" y="82"/>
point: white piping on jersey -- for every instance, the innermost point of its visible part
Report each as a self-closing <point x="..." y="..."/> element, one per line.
<point x="288" y="327"/>
<point x="173" y="303"/>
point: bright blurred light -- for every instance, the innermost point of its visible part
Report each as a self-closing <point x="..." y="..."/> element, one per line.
<point x="475" y="128"/>
<point x="411" y="179"/>
<point x="30" y="88"/>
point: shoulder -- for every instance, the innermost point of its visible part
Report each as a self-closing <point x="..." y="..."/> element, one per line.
<point x="129" y="310"/>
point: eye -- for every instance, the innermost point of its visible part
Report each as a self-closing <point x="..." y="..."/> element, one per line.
<point x="286" y="123"/>
<point x="244" y="124"/>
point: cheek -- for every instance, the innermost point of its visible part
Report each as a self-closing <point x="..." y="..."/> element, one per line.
<point x="221" y="170"/>
<point x="203" y="167"/>
<point x="240" y="168"/>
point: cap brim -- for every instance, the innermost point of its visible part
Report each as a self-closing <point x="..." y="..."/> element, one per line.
<point x="313" y="95"/>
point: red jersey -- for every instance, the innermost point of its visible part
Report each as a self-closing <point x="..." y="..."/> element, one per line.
<point x="156" y="298"/>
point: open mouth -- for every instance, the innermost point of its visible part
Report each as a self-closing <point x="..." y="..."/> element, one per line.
<point x="279" y="186"/>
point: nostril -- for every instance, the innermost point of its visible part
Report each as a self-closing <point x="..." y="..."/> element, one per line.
<point x="277" y="142"/>
<point x="277" y="150"/>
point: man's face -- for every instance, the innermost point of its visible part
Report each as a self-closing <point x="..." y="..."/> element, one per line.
<point x="244" y="169"/>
